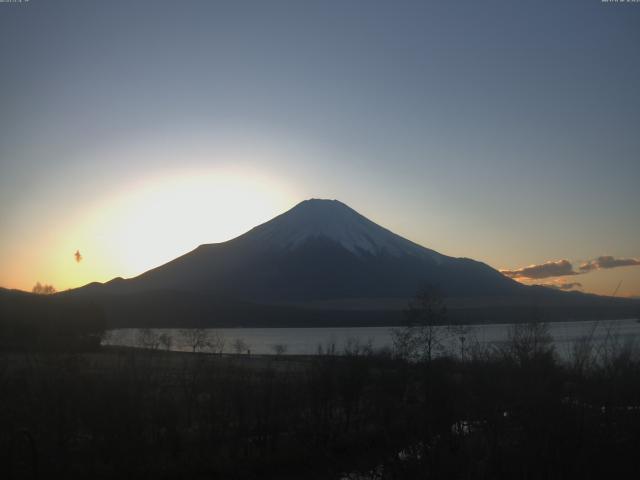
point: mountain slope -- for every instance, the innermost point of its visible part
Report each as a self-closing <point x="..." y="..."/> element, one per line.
<point x="318" y="250"/>
<point x="323" y="264"/>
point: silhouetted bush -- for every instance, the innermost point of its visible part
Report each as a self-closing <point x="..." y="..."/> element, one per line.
<point x="127" y="413"/>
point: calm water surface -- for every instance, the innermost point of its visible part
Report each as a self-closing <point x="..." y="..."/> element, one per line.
<point x="307" y="341"/>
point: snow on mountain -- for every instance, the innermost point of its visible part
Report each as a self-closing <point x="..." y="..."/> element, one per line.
<point x="318" y="250"/>
<point x="322" y="258"/>
<point x="333" y="220"/>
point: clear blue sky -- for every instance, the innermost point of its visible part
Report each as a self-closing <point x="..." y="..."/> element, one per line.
<point x="504" y="131"/>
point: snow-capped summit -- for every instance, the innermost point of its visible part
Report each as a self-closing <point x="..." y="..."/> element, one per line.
<point x="332" y="220"/>
<point x="320" y="263"/>
<point x="318" y="250"/>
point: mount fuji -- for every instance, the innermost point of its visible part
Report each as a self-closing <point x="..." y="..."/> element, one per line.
<point x="318" y="250"/>
<point x="320" y="261"/>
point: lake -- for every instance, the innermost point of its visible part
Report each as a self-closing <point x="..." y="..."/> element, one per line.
<point x="308" y="341"/>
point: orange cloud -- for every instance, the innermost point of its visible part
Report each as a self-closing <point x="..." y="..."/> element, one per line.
<point x="606" y="262"/>
<point x="554" y="268"/>
<point x="562" y="285"/>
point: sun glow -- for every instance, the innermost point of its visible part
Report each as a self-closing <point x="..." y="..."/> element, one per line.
<point x="158" y="219"/>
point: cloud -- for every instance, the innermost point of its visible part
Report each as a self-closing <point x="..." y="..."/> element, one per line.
<point x="562" y="285"/>
<point x="606" y="262"/>
<point x="554" y="268"/>
<point x="563" y="268"/>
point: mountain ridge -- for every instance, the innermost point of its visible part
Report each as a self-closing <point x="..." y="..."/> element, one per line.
<point x="319" y="249"/>
<point x="323" y="263"/>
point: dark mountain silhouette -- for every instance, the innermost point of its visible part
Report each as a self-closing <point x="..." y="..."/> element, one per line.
<point x="318" y="250"/>
<point x="48" y="322"/>
<point x="320" y="256"/>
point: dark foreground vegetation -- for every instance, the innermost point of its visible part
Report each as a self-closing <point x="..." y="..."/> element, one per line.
<point x="512" y="413"/>
<point x="71" y="409"/>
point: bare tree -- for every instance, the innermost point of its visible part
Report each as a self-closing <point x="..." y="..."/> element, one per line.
<point x="328" y="349"/>
<point x="166" y="341"/>
<point x="147" y="338"/>
<point x="354" y="347"/>
<point x="216" y="343"/>
<point x="459" y="333"/>
<point x="239" y="345"/>
<point x="529" y="340"/>
<point x="422" y="336"/>
<point x="41" y="289"/>
<point x="196" y="338"/>
<point x="279" y="349"/>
